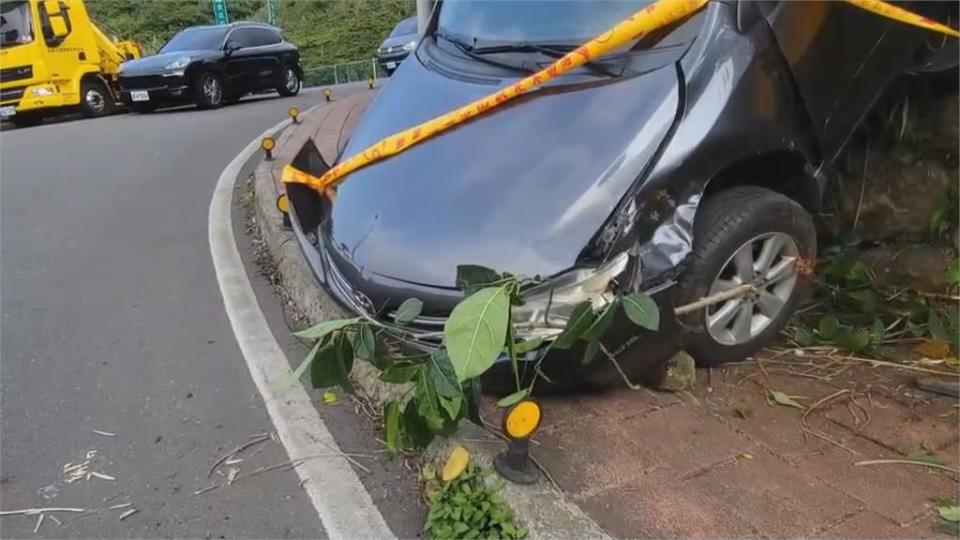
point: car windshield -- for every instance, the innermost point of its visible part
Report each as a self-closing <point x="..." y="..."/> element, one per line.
<point x="15" y="26"/>
<point x="196" y="39"/>
<point x="405" y="27"/>
<point x="480" y="22"/>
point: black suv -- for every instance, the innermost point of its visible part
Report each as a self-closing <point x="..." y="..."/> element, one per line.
<point x="213" y="65"/>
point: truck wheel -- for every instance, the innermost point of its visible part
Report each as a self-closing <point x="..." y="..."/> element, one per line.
<point x="745" y="235"/>
<point x="208" y="90"/>
<point x="290" y="86"/>
<point x="27" y="119"/>
<point x="95" y="99"/>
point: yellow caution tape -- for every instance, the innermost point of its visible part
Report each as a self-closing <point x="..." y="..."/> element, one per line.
<point x="899" y="14"/>
<point x="641" y="23"/>
<point x="630" y="29"/>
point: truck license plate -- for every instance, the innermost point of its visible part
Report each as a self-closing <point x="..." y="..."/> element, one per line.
<point x="9" y="110"/>
<point x="391" y="65"/>
<point x="140" y="95"/>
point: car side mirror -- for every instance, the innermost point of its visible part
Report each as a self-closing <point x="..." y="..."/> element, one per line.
<point x="231" y="46"/>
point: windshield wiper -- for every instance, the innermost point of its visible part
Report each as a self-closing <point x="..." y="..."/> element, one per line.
<point x="553" y="52"/>
<point x="469" y="51"/>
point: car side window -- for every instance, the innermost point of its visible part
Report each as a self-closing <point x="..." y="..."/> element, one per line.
<point x="243" y="37"/>
<point x="263" y="36"/>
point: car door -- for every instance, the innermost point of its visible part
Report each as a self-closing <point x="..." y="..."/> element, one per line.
<point x="242" y="61"/>
<point x="842" y="57"/>
<point x="266" y="45"/>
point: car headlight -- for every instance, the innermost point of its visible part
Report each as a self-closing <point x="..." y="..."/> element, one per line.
<point x="42" y="91"/>
<point x="410" y="46"/>
<point x="551" y="303"/>
<point x="179" y="63"/>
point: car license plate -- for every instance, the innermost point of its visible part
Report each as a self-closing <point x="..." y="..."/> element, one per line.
<point x="9" y="110"/>
<point x="140" y="95"/>
<point x="391" y="65"/>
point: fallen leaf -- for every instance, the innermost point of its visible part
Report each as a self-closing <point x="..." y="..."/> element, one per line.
<point x="933" y="348"/>
<point x="784" y="399"/>
<point x="427" y="473"/>
<point x="455" y="464"/>
<point x="329" y="398"/>
<point x="950" y="513"/>
<point x="746" y="455"/>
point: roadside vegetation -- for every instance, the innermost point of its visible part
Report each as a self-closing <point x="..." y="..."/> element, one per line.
<point x="327" y="32"/>
<point x="465" y="502"/>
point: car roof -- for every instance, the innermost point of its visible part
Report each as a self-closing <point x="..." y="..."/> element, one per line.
<point x="239" y="24"/>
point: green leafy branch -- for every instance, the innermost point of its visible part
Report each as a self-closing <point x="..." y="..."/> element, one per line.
<point x="443" y="385"/>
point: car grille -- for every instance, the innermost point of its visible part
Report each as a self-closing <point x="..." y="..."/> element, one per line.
<point x="344" y="290"/>
<point x="12" y="94"/>
<point x="145" y="81"/>
<point x="16" y="73"/>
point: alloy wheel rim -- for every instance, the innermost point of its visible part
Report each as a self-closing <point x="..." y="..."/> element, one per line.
<point x="95" y="100"/>
<point x="292" y="81"/>
<point x="211" y="90"/>
<point x="769" y="263"/>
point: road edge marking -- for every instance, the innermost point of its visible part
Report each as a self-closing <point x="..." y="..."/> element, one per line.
<point x="343" y="504"/>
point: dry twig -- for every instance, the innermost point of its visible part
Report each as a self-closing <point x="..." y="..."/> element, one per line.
<point x="257" y="439"/>
<point x="35" y="511"/>
<point x="817" y="433"/>
<point x="907" y="462"/>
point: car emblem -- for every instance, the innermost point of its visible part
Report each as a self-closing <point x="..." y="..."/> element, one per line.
<point x="363" y="302"/>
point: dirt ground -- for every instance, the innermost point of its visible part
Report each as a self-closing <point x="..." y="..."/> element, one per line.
<point x="726" y="460"/>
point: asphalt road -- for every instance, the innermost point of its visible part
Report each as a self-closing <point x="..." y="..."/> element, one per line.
<point x="113" y="321"/>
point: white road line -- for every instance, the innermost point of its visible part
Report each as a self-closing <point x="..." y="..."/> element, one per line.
<point x="345" y="508"/>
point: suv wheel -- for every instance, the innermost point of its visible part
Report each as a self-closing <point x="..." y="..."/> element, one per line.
<point x="745" y="235"/>
<point x="209" y="90"/>
<point x="290" y="85"/>
<point x="95" y="99"/>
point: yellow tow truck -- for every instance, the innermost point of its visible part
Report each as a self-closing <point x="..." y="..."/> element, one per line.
<point x="54" y="58"/>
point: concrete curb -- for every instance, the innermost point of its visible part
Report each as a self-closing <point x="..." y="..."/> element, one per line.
<point x="542" y="508"/>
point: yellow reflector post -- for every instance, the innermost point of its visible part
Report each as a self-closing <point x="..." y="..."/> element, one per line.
<point x="522" y="419"/>
<point x="519" y="423"/>
<point x="327" y="93"/>
<point x="267" y="143"/>
<point x="283" y="204"/>
<point x="294" y="114"/>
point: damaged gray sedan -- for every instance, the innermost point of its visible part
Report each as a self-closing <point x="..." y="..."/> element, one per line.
<point x="683" y="165"/>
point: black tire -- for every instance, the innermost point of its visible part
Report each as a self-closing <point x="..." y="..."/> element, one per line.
<point x="726" y="222"/>
<point x="208" y="90"/>
<point x="95" y="98"/>
<point x="143" y="108"/>
<point x="290" y="82"/>
<point x="27" y="119"/>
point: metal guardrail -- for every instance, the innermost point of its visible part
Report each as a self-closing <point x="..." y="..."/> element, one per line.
<point x="346" y="72"/>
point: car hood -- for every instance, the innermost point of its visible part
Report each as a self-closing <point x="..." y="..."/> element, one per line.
<point x="157" y="62"/>
<point x="520" y="189"/>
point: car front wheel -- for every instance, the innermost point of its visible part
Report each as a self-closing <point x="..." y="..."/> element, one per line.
<point x="745" y="235"/>
<point x="209" y="90"/>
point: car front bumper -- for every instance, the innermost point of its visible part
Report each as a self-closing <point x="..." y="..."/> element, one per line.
<point x="163" y="88"/>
